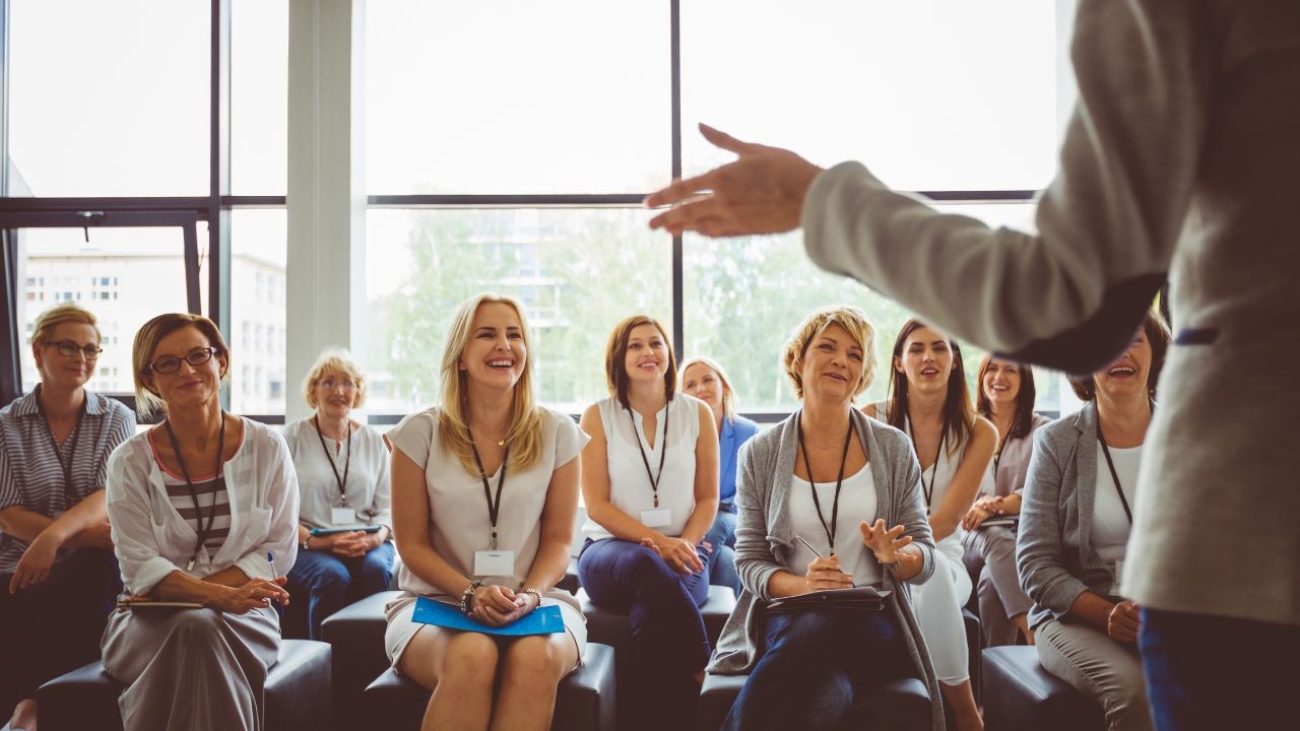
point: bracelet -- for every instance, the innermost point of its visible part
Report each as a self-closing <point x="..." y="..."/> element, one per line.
<point x="534" y="592"/>
<point x="893" y="566"/>
<point x="468" y="595"/>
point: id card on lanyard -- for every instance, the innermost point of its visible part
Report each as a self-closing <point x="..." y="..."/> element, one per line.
<point x="492" y="561"/>
<point x="656" y="517"/>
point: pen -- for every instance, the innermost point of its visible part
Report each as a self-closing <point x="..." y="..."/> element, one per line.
<point x="816" y="553"/>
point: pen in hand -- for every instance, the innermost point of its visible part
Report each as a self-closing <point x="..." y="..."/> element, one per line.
<point x="816" y="553"/>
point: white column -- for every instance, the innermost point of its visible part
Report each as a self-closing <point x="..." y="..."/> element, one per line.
<point x="326" y="273"/>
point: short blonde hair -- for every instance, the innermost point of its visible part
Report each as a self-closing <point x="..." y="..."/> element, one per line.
<point x="334" y="360"/>
<point x="854" y="321"/>
<point x="728" y="394"/>
<point x="524" y="437"/>
<point x="49" y="320"/>
<point x="147" y="400"/>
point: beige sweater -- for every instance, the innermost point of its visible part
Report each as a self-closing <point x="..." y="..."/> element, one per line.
<point x="1182" y="160"/>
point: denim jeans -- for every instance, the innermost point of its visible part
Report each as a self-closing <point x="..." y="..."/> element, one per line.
<point x="1207" y="672"/>
<point x="53" y="627"/>
<point x="669" y="644"/>
<point x="722" y="536"/>
<point x="321" y="583"/>
<point x="817" y="663"/>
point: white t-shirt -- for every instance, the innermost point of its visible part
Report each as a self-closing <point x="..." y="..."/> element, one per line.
<point x="368" y="490"/>
<point x="1110" y="525"/>
<point x="458" y="510"/>
<point x="629" y="486"/>
<point x="857" y="503"/>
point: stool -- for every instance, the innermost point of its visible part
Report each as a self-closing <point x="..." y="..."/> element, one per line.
<point x="356" y="632"/>
<point x="901" y="704"/>
<point x="584" y="701"/>
<point x="297" y="694"/>
<point x="1021" y="696"/>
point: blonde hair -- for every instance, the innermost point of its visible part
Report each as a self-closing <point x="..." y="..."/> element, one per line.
<point x="524" y="437"/>
<point x="49" y="320"/>
<point x="334" y="360"/>
<point x="853" y="320"/>
<point x="728" y="395"/>
<point x="147" y="400"/>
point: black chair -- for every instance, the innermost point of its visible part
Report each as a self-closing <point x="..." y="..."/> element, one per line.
<point x="356" y="632"/>
<point x="585" y="700"/>
<point x="1021" y="696"/>
<point x="902" y="705"/>
<point x="297" y="694"/>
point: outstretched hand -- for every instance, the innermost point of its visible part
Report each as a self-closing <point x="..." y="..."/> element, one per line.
<point x="885" y="544"/>
<point x="762" y="192"/>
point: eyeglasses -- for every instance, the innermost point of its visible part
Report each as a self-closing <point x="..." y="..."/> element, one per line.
<point x="69" y="349"/>
<point x="171" y="364"/>
<point x="330" y="384"/>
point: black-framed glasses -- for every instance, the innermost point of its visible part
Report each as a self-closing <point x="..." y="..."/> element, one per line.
<point x="171" y="364"/>
<point x="69" y="349"/>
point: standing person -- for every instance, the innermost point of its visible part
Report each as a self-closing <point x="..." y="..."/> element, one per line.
<point x="705" y="379"/>
<point x="486" y="471"/>
<point x="929" y="402"/>
<point x="865" y="525"/>
<point x="58" y="577"/>
<point x="342" y="468"/>
<point x="204" y="509"/>
<point x="1179" y="162"/>
<point x="1079" y="506"/>
<point x="1006" y="399"/>
<point x="650" y="480"/>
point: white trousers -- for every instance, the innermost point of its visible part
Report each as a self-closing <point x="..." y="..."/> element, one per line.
<point x="938" y="604"/>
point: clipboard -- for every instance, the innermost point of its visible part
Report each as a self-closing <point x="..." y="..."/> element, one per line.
<point x="859" y="598"/>
<point x="1001" y="521"/>
<point x="140" y="602"/>
<point x="540" y="621"/>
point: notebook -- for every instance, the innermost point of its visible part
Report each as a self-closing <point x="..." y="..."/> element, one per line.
<point x="540" y="621"/>
<point x="859" y="598"/>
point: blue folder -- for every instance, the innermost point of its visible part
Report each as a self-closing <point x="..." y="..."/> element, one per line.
<point x="541" y="621"/>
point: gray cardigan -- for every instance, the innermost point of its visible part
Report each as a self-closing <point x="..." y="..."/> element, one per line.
<point x="764" y="540"/>
<point x="1054" y="552"/>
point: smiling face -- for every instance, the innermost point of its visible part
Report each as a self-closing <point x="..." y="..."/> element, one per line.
<point x="832" y="366"/>
<point x="926" y="360"/>
<point x="64" y="372"/>
<point x="1001" y="384"/>
<point x="646" y="358"/>
<point x="189" y="385"/>
<point x="496" y="354"/>
<point x="705" y="384"/>
<point x="1126" y="376"/>
<point x="336" y="394"/>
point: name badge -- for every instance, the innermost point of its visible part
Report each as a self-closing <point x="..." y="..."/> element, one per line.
<point x="494" y="563"/>
<point x="343" y="516"/>
<point x="658" y="518"/>
<point x="1119" y="573"/>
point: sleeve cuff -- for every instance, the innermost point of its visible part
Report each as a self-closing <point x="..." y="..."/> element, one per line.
<point x="149" y="574"/>
<point x="256" y="566"/>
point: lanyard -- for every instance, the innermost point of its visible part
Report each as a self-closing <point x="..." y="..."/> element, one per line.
<point x="1113" y="474"/>
<point x="663" y="451"/>
<point x="839" y="482"/>
<point x="928" y="490"/>
<point x="74" y="438"/>
<point x="341" y="481"/>
<point x="494" y="507"/>
<point x="204" y="528"/>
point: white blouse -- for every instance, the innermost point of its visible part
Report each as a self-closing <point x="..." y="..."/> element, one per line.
<point x="1110" y="524"/>
<point x="458" y="511"/>
<point x="367" y="490"/>
<point x="629" y="485"/>
<point x="152" y="540"/>
<point x="857" y="503"/>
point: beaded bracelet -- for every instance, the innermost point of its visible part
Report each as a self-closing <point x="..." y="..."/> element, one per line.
<point x="468" y="594"/>
<point x="534" y="592"/>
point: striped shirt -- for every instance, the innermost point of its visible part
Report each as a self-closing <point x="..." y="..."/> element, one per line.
<point x="206" y="489"/>
<point x="31" y="475"/>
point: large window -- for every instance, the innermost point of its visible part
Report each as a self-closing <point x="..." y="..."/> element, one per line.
<point x="576" y="106"/>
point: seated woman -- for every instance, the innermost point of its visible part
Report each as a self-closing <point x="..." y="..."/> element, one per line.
<point x="488" y="471"/>
<point x="705" y="379"/>
<point x="204" y="509"/>
<point x="1006" y="398"/>
<point x="929" y="401"/>
<point x="1075" y="522"/>
<point x="828" y="500"/>
<point x="342" y="470"/>
<point x="650" y="479"/>
<point x="58" y="577"/>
